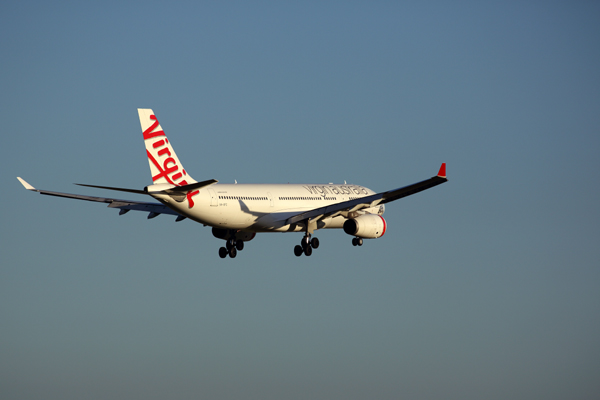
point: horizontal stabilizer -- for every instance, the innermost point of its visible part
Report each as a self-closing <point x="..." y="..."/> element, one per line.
<point x="137" y="191"/>
<point x="177" y="189"/>
<point x="192" y="186"/>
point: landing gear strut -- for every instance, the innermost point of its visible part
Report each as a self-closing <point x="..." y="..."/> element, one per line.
<point x="306" y="246"/>
<point x="232" y="246"/>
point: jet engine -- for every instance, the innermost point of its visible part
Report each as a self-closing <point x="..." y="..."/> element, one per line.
<point x="368" y="226"/>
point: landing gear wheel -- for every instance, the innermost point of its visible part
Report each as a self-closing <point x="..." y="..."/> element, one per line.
<point x="239" y="245"/>
<point x="357" y="241"/>
<point x="314" y="243"/>
<point x="223" y="252"/>
<point x="306" y="246"/>
<point x="232" y="252"/>
<point x="308" y="250"/>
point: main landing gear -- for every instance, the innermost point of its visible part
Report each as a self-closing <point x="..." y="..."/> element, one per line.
<point x="357" y="241"/>
<point x="306" y="246"/>
<point x="231" y="249"/>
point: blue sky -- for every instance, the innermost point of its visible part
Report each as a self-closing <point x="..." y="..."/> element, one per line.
<point x="484" y="287"/>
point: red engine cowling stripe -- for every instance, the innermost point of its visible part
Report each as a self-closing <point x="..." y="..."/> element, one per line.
<point x="384" y="225"/>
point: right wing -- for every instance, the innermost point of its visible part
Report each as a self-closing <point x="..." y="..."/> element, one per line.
<point x="368" y="201"/>
<point x="154" y="209"/>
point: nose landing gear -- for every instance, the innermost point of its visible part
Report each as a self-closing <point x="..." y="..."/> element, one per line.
<point x="357" y="241"/>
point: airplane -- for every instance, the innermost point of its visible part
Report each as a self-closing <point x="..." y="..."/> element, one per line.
<point x="237" y="212"/>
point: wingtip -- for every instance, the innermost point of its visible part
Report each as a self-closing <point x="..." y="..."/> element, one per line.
<point x="24" y="183"/>
<point x="442" y="171"/>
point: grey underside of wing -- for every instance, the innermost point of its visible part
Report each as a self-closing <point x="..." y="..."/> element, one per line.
<point x="335" y="209"/>
<point x="365" y="202"/>
<point x="117" y="203"/>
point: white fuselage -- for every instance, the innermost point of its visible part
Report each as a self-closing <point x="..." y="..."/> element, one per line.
<point x="236" y="212"/>
<point x="263" y="207"/>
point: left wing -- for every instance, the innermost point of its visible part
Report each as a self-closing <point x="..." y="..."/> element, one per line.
<point x="154" y="209"/>
<point x="369" y="201"/>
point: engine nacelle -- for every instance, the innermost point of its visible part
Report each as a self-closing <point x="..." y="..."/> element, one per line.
<point x="227" y="234"/>
<point x="368" y="226"/>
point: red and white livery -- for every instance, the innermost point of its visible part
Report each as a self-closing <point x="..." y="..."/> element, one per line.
<point x="236" y="212"/>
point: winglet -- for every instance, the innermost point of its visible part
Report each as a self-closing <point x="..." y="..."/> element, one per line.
<point x="27" y="185"/>
<point x="442" y="171"/>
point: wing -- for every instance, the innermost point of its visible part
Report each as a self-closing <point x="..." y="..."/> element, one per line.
<point x="369" y="201"/>
<point x="154" y="209"/>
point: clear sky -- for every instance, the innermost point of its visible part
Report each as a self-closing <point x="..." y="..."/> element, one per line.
<point x="486" y="287"/>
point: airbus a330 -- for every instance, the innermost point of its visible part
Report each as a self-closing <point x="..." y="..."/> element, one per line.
<point x="237" y="212"/>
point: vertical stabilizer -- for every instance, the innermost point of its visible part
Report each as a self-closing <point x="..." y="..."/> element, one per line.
<point x="164" y="164"/>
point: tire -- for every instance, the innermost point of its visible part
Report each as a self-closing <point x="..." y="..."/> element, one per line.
<point x="308" y="251"/>
<point x="232" y="252"/>
<point x="359" y="241"/>
<point x="314" y="243"/>
<point x="239" y="245"/>
<point x="223" y="252"/>
<point x="298" y="250"/>
<point x="354" y="242"/>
